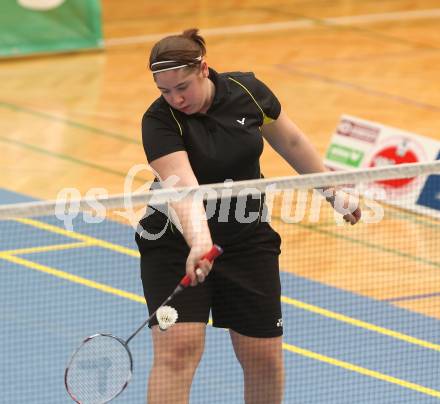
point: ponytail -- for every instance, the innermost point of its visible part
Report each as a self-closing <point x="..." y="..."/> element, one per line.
<point x="193" y="34"/>
<point x="176" y="51"/>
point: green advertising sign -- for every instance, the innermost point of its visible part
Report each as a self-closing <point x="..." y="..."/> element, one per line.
<point x="42" y="26"/>
<point x="345" y="155"/>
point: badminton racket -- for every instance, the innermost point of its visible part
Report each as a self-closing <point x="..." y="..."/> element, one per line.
<point x="102" y="366"/>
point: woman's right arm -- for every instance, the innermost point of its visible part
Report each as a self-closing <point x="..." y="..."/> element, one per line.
<point x="192" y="215"/>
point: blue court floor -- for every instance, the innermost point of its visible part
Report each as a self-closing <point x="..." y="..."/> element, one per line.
<point x="58" y="287"/>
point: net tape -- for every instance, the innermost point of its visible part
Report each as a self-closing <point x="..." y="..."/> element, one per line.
<point x="305" y="181"/>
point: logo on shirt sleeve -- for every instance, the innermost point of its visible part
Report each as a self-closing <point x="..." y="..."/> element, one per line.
<point x="241" y="121"/>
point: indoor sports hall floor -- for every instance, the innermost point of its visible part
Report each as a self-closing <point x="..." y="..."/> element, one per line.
<point x="74" y="121"/>
<point x="58" y="287"/>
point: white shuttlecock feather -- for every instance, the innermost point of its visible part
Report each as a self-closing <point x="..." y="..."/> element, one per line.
<point x="166" y="316"/>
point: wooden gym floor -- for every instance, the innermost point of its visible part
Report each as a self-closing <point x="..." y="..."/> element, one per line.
<point x="74" y="120"/>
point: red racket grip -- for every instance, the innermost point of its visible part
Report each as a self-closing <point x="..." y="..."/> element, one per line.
<point x="211" y="255"/>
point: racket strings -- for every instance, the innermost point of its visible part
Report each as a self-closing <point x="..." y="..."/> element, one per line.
<point x="99" y="370"/>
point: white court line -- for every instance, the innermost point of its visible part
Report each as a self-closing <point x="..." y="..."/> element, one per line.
<point x="287" y="25"/>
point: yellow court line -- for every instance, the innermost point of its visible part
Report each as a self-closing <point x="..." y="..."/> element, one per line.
<point x="78" y="236"/>
<point x="305" y="306"/>
<point x="288" y="347"/>
<point x="72" y="278"/>
<point x="361" y="370"/>
<point x="46" y="248"/>
<point x="360" y="323"/>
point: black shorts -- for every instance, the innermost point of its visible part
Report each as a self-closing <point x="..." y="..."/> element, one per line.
<point x="243" y="289"/>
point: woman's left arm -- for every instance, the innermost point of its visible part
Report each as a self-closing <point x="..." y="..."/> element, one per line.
<point x="293" y="145"/>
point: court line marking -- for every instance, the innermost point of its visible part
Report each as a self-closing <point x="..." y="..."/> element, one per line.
<point x="78" y="236"/>
<point x="305" y="306"/>
<point x="68" y="158"/>
<point x="53" y="247"/>
<point x="291" y="348"/>
<point x="286" y="25"/>
<point x="363" y="371"/>
<point x="357" y="87"/>
<point x="361" y="324"/>
<point x="372" y="246"/>
<point x="134" y="253"/>
<point x="319" y="228"/>
<point x="69" y="122"/>
<point x="417" y="218"/>
<point x="412" y="297"/>
<point x="284" y="299"/>
<point x="72" y="278"/>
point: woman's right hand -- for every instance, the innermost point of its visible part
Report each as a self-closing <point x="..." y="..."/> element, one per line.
<point x="196" y="267"/>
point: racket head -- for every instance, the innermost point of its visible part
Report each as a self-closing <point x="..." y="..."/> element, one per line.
<point x="99" y="370"/>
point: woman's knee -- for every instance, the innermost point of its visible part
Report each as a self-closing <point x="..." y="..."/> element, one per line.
<point x="178" y="351"/>
<point x="258" y="354"/>
<point x="182" y="356"/>
<point x="269" y="362"/>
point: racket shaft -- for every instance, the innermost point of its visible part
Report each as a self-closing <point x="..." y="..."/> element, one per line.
<point x="211" y="255"/>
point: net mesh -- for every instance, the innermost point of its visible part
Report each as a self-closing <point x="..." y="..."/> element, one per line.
<point x="360" y="303"/>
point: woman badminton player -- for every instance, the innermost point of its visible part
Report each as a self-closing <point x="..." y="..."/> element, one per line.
<point x="208" y="127"/>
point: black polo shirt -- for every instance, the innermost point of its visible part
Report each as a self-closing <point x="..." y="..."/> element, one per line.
<point x="226" y="142"/>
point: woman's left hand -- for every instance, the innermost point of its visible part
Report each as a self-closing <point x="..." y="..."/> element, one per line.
<point x="345" y="204"/>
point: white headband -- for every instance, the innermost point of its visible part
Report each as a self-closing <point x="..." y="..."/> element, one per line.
<point x="197" y="59"/>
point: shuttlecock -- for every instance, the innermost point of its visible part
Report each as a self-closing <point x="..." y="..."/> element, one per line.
<point x="166" y="316"/>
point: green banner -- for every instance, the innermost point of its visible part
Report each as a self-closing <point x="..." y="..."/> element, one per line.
<point x="345" y="155"/>
<point x="43" y="26"/>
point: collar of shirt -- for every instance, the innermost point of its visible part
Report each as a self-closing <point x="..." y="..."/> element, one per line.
<point x="222" y="89"/>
